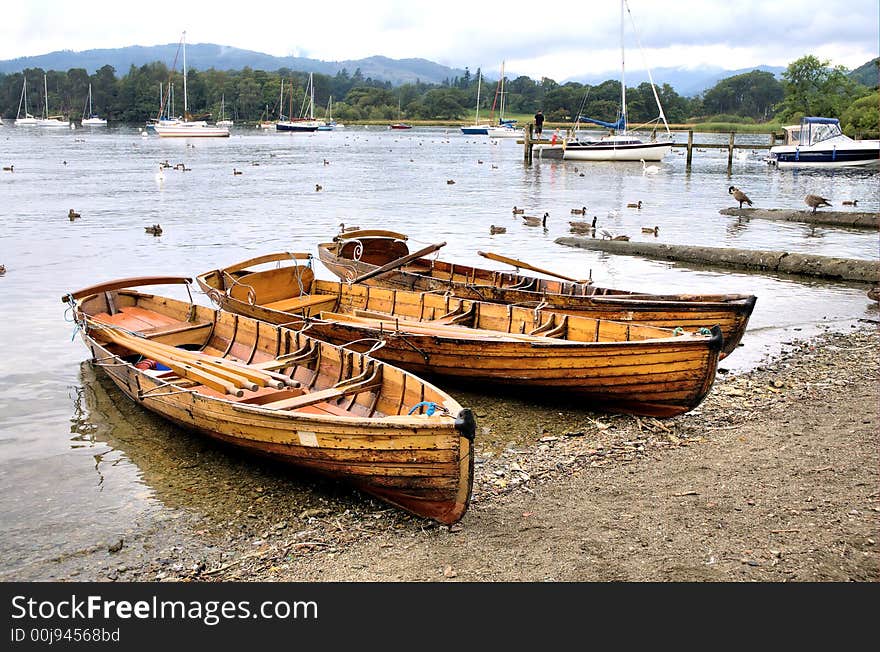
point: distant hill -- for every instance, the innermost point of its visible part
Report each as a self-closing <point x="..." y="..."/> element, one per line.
<point x="202" y="56"/>
<point x="686" y="81"/>
<point x="867" y="73"/>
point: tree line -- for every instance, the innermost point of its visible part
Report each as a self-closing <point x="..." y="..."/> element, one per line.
<point x="808" y="87"/>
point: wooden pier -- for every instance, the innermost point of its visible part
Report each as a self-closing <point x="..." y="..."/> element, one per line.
<point x="529" y="141"/>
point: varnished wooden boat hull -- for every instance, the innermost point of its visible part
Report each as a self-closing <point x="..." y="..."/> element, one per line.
<point x="601" y="364"/>
<point x="730" y="312"/>
<point x="421" y="463"/>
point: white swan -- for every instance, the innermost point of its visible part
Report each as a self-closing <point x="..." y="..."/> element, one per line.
<point x="649" y="169"/>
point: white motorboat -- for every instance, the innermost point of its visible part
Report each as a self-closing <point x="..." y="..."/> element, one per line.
<point x="819" y="143"/>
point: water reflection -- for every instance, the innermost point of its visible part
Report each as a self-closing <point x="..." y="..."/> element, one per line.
<point x="183" y="469"/>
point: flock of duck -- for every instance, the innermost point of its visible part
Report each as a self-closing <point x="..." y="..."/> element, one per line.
<point x="577" y="227"/>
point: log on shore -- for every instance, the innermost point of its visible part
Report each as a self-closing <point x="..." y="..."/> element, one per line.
<point x="858" y="219"/>
<point x="783" y="262"/>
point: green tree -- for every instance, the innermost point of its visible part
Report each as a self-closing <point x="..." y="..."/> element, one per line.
<point x="752" y="94"/>
<point x="862" y="118"/>
<point x="813" y="88"/>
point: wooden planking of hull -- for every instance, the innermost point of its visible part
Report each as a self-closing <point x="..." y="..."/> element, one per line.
<point x="354" y="254"/>
<point x="609" y="365"/>
<point x="276" y="392"/>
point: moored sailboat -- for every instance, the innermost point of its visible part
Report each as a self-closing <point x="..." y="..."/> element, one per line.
<point x="477" y="129"/>
<point x="26" y="120"/>
<point x="185" y="127"/>
<point x="90" y="119"/>
<point x="50" y="120"/>
<point x="620" y="144"/>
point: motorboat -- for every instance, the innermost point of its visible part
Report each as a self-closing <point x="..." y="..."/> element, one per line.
<point x="819" y="143"/>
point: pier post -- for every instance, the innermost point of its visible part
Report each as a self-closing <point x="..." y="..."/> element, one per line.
<point x="527" y="143"/>
<point x="690" y="152"/>
<point x="730" y="152"/>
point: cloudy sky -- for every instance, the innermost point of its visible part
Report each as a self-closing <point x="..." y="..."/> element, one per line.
<point x="559" y="41"/>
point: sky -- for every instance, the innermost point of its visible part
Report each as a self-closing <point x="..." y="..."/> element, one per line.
<point x="534" y="38"/>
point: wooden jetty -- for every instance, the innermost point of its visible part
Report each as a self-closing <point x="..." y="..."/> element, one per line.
<point x="528" y="142"/>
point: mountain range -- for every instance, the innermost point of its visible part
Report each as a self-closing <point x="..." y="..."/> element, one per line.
<point x="686" y="81"/>
<point x="202" y="56"/>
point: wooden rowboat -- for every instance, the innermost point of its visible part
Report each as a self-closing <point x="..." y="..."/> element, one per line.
<point x="604" y="364"/>
<point x="280" y="393"/>
<point x="358" y="253"/>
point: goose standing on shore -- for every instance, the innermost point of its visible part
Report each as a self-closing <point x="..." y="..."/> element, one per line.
<point x="739" y="196"/>
<point x="815" y="201"/>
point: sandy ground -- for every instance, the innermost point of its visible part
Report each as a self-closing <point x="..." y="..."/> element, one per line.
<point x="774" y="478"/>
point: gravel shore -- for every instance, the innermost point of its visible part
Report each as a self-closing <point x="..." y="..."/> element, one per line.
<point x="773" y="478"/>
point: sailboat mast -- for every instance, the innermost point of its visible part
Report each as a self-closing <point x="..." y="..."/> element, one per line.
<point x="46" y="96"/>
<point x="184" y="77"/>
<point x="281" y="101"/>
<point x="311" y="98"/>
<point x="501" y="104"/>
<point x="479" y="81"/>
<point x="622" y="74"/>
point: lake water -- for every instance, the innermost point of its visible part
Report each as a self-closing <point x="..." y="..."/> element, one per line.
<point x="67" y="472"/>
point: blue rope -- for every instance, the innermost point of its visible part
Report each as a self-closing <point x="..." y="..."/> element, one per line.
<point x="678" y="331"/>
<point x="432" y="407"/>
<point x="704" y="331"/>
<point x="72" y="319"/>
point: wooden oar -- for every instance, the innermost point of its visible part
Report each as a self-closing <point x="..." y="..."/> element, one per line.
<point x="153" y="350"/>
<point x="182" y="369"/>
<point x="400" y="262"/>
<point x="239" y="374"/>
<point x="523" y="265"/>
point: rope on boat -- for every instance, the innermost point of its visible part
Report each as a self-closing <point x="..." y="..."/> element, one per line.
<point x="678" y="330"/>
<point x="378" y="344"/>
<point x="430" y="406"/>
<point x="704" y="331"/>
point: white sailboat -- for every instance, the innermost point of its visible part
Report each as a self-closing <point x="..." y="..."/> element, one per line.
<point x="89" y="119"/>
<point x="619" y="145"/>
<point x="50" y="120"/>
<point x="187" y="128"/>
<point x="26" y="120"/>
<point x="329" y="123"/>
<point x="223" y="122"/>
<point x="504" y="128"/>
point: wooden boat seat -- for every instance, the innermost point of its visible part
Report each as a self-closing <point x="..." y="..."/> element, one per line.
<point x="305" y="301"/>
<point x="368" y="380"/>
<point x="159" y="331"/>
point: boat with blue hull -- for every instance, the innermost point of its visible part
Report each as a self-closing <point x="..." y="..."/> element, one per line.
<point x="819" y="143"/>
